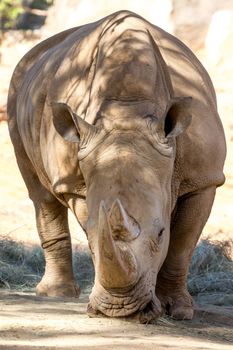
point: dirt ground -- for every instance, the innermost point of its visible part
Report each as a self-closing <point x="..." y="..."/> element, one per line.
<point x="29" y="322"/>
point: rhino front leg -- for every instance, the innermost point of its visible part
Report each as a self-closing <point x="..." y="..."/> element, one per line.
<point x="191" y="214"/>
<point x="52" y="225"/>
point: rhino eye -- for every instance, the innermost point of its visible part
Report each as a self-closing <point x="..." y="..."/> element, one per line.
<point x="161" y="232"/>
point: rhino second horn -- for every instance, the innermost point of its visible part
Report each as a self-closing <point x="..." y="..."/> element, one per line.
<point x="117" y="265"/>
<point x="123" y="226"/>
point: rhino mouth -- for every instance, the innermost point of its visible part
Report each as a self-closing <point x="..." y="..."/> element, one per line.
<point x="136" y="305"/>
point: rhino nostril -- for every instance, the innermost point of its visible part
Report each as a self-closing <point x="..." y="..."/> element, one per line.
<point x="151" y="312"/>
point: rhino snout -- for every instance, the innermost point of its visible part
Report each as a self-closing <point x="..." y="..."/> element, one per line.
<point x="117" y="266"/>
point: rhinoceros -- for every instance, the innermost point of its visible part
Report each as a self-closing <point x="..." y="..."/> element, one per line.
<point x="117" y="120"/>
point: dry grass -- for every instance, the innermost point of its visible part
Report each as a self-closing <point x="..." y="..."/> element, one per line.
<point x="211" y="273"/>
<point x="211" y="268"/>
<point x="22" y="267"/>
<point x="210" y="276"/>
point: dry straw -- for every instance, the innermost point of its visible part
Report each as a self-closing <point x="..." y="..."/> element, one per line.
<point x="210" y="277"/>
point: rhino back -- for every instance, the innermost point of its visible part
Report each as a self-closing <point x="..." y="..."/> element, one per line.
<point x="64" y="69"/>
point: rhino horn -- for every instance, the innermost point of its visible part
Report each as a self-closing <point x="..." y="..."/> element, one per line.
<point x="117" y="265"/>
<point x="123" y="226"/>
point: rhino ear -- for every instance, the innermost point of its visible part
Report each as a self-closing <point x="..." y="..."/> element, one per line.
<point x="68" y="124"/>
<point x="178" y="116"/>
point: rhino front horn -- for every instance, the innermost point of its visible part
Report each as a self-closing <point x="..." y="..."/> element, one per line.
<point x="117" y="265"/>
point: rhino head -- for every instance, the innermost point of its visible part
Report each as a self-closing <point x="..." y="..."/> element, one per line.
<point x="127" y="162"/>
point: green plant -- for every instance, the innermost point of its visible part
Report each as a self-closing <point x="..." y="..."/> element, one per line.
<point x="40" y="4"/>
<point x="9" y="11"/>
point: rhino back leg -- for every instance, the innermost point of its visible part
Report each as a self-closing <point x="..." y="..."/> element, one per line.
<point x="191" y="214"/>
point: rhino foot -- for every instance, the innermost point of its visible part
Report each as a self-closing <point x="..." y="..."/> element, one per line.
<point x="179" y="306"/>
<point x="70" y="289"/>
<point x="182" y="312"/>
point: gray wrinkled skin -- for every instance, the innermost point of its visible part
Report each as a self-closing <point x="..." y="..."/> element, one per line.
<point x="117" y="120"/>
